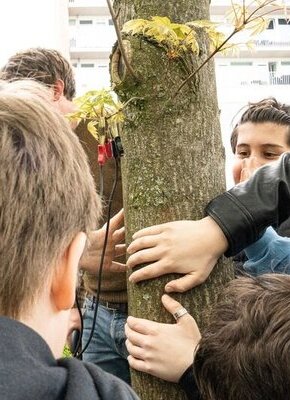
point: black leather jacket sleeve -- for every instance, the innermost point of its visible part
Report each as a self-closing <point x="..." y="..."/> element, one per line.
<point x="188" y="384"/>
<point x="247" y="209"/>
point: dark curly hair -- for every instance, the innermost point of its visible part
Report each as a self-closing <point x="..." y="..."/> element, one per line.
<point x="266" y="110"/>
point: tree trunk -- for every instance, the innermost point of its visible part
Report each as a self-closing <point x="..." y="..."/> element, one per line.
<point x="174" y="158"/>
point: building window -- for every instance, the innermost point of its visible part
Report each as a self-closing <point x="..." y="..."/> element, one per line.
<point x="271" y="24"/>
<point x="283" y="21"/>
<point x="86" y="22"/>
<point x="111" y="21"/>
<point x="87" y="65"/>
<point x="101" y="21"/>
<point x="72" y="22"/>
<point x="72" y="42"/>
<point x="241" y="63"/>
<point x="272" y="66"/>
<point x="285" y="62"/>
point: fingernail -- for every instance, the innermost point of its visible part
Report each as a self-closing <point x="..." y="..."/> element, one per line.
<point x="168" y="289"/>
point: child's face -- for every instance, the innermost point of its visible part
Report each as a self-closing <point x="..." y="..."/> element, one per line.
<point x="257" y="145"/>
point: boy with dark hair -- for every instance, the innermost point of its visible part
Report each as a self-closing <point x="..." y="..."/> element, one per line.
<point x="43" y="227"/>
<point x="244" y="352"/>
<point x="261" y="135"/>
<point x="268" y="110"/>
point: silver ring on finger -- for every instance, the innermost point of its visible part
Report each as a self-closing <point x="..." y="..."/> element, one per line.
<point x="179" y="313"/>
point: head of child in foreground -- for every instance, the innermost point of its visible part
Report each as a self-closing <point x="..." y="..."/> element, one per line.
<point x="47" y="205"/>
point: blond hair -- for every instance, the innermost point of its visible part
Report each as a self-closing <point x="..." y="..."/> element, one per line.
<point x="47" y="192"/>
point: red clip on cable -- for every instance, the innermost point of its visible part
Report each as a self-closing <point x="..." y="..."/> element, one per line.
<point x="102" y="156"/>
<point x="105" y="152"/>
<point x="109" y="150"/>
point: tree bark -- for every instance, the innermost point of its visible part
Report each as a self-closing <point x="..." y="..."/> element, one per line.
<point x="174" y="158"/>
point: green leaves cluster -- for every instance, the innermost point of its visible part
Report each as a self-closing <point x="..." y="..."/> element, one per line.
<point x="175" y="38"/>
<point x="103" y="113"/>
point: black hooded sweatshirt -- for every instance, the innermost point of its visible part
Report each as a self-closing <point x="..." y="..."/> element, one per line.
<point x="29" y="371"/>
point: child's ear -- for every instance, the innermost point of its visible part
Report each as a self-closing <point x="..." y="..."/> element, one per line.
<point x="58" y="89"/>
<point x="65" y="276"/>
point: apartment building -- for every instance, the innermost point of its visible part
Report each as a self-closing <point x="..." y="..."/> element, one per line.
<point x="92" y="35"/>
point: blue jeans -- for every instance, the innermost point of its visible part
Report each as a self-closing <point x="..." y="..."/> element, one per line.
<point x="107" y="348"/>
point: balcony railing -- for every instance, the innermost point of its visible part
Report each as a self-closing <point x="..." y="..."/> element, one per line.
<point x="273" y="80"/>
<point x="280" y="80"/>
<point x="272" y="43"/>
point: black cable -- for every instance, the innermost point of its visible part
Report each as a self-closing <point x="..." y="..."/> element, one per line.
<point x="79" y="340"/>
<point x="78" y="345"/>
<point x="96" y="299"/>
<point x="101" y="178"/>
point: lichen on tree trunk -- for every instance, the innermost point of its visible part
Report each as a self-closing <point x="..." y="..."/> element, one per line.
<point x="174" y="159"/>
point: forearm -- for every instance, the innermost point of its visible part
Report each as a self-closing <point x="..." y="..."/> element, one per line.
<point x="246" y="210"/>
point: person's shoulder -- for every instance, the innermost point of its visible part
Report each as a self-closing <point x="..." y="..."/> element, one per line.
<point x="87" y="379"/>
<point x="110" y="385"/>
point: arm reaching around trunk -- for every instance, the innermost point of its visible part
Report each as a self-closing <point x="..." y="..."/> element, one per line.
<point x="191" y="248"/>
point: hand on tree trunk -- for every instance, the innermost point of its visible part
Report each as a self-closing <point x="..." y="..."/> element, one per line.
<point x="90" y="260"/>
<point x="191" y="248"/>
<point x="162" y="350"/>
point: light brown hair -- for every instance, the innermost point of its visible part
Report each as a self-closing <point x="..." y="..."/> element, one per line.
<point x="47" y="192"/>
<point x="42" y="65"/>
<point x="266" y="110"/>
<point x="244" y="353"/>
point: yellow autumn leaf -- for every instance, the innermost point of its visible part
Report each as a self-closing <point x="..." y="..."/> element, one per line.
<point x="258" y="25"/>
<point x="237" y="15"/>
<point x="250" y="45"/>
<point x="91" y="126"/>
<point x="216" y="39"/>
<point x="102" y="110"/>
<point x="134" y="26"/>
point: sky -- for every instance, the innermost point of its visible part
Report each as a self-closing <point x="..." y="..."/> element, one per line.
<point x="31" y="23"/>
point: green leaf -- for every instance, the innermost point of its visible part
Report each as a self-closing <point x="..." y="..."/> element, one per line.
<point x="91" y="126"/>
<point x="103" y="111"/>
<point x="134" y="26"/>
<point x="258" y="25"/>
